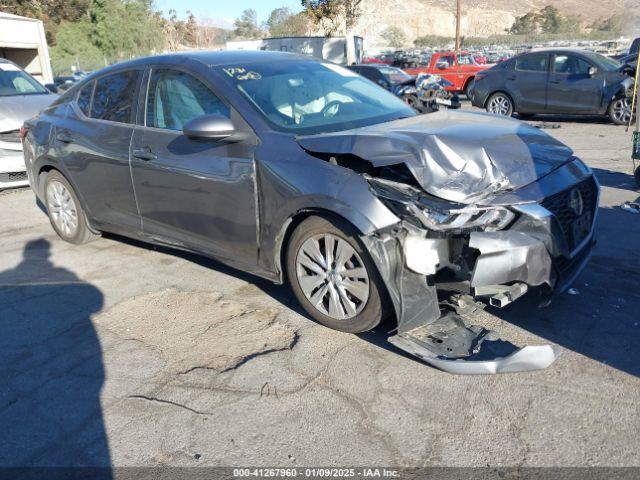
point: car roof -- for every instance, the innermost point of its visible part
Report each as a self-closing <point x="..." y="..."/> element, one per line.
<point x="209" y="58"/>
<point x="558" y="50"/>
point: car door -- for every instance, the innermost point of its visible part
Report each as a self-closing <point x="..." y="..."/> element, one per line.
<point x="527" y="82"/>
<point x="447" y="68"/>
<point x="571" y="88"/>
<point x="197" y="194"/>
<point x="93" y="143"/>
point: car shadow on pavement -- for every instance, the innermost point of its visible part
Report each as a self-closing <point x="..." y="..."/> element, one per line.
<point x="52" y="370"/>
<point x="613" y="179"/>
<point x="599" y="317"/>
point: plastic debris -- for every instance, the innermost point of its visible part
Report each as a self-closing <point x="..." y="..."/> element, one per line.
<point x="632" y="207"/>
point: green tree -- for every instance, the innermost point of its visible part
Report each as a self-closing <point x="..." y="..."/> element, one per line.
<point x="332" y="15"/>
<point x="247" y="25"/>
<point x="431" y="41"/>
<point x="394" y="36"/>
<point x="283" y="23"/>
<point x="548" y="20"/>
<point x="52" y="12"/>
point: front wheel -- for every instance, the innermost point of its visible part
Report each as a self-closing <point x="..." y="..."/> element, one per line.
<point x="620" y="111"/>
<point x="66" y="215"/>
<point x="412" y="101"/>
<point x="333" y="276"/>
<point x="500" y="104"/>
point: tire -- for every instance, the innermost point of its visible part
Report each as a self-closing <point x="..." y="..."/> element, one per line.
<point x="619" y="111"/>
<point x="65" y="212"/>
<point x="361" y="305"/>
<point x="500" y="104"/>
<point x="412" y="101"/>
<point x="637" y="175"/>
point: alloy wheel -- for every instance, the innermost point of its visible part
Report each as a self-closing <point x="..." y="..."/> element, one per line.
<point x="499" y="105"/>
<point x="332" y="276"/>
<point x="621" y="110"/>
<point x="62" y="208"/>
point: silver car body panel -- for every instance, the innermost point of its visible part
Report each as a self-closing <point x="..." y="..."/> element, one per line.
<point x="458" y="156"/>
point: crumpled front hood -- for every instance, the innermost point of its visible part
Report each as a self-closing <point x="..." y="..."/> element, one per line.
<point x="458" y="156"/>
<point x="15" y="109"/>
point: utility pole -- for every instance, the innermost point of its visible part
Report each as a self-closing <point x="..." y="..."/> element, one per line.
<point x="458" y="26"/>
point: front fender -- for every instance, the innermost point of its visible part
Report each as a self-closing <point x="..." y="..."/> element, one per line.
<point x="308" y="184"/>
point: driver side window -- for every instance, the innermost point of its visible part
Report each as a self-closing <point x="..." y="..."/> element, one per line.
<point x="176" y="97"/>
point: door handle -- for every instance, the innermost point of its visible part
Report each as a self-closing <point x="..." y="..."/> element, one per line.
<point x="144" y="154"/>
<point x="64" y="136"/>
<point x="512" y="77"/>
<point x="554" y="81"/>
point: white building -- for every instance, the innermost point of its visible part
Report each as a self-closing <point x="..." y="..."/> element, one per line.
<point x="22" y="41"/>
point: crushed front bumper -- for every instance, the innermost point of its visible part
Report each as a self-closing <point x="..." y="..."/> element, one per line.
<point x="508" y="263"/>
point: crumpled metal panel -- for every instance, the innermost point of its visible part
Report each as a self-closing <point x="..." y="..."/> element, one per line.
<point x="457" y="156"/>
<point x="509" y="256"/>
<point x="414" y="300"/>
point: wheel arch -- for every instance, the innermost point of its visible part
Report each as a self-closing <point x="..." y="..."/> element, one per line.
<point x="504" y="92"/>
<point x="290" y="225"/>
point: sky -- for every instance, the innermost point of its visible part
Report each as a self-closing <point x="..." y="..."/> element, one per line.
<point x="223" y="12"/>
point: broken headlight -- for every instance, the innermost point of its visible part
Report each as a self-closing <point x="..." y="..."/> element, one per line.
<point x="410" y="203"/>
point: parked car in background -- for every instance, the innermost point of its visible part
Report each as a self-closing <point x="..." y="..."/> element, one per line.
<point x="390" y="78"/>
<point x="302" y="171"/>
<point x="556" y="81"/>
<point x="21" y="97"/>
<point x="64" y="83"/>
<point x="460" y="69"/>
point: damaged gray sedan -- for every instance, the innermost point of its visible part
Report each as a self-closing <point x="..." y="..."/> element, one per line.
<point x="303" y="172"/>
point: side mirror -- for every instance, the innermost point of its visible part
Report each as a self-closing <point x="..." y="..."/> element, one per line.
<point x="209" y="127"/>
<point x="592" y="71"/>
<point x="442" y="65"/>
<point x="51" y="87"/>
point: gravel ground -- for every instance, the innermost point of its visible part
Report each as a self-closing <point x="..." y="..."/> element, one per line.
<point x="120" y="353"/>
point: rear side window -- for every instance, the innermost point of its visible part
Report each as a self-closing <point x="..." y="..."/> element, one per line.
<point x="114" y="96"/>
<point x="84" y="98"/>
<point x="176" y="97"/>
<point x="532" y="63"/>
<point x="570" y="65"/>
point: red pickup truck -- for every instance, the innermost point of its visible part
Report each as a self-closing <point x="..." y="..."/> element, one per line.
<point x="459" y="69"/>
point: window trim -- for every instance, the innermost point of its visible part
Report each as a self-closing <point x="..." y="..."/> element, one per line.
<point x="77" y="96"/>
<point x="552" y="64"/>
<point x="546" y="63"/>
<point x="134" y="104"/>
<point x="142" y="122"/>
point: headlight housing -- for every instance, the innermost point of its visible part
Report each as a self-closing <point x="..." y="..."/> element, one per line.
<point x="439" y="215"/>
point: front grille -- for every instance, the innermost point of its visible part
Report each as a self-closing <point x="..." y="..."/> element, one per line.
<point x="12" y="137"/>
<point x="560" y="206"/>
<point x="13" y="177"/>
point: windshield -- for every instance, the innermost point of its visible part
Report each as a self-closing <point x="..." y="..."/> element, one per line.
<point x="395" y="75"/>
<point x="605" y="63"/>
<point x="309" y="97"/>
<point x="14" y="81"/>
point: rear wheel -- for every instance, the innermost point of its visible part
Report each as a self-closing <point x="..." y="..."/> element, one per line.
<point x="333" y="276"/>
<point x="500" y="104"/>
<point x="620" y="111"/>
<point x="66" y="215"/>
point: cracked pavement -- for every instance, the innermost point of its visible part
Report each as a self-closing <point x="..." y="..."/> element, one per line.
<point x="121" y="353"/>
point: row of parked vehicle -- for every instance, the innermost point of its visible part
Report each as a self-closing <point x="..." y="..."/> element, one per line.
<point x="553" y="81"/>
